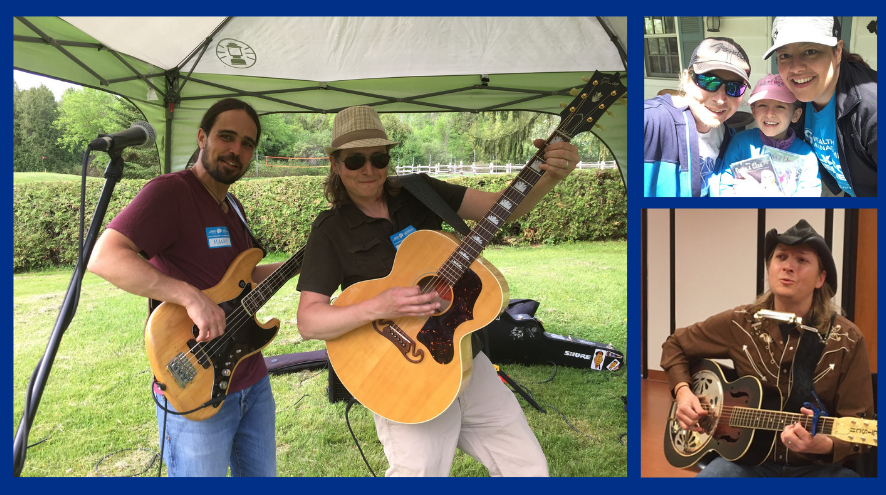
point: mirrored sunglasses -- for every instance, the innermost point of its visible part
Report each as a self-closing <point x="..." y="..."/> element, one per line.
<point x="378" y="160"/>
<point x="713" y="83"/>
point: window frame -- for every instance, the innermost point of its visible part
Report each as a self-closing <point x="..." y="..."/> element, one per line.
<point x="646" y="54"/>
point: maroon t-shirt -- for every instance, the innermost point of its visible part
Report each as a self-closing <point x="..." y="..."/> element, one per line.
<point x="184" y="233"/>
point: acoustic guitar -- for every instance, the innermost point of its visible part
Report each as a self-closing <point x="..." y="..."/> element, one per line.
<point x="743" y="420"/>
<point x="410" y="370"/>
<point x="195" y="376"/>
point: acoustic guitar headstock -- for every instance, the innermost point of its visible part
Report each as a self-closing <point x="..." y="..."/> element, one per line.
<point x="600" y="92"/>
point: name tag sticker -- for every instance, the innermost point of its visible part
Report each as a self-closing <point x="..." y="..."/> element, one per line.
<point x="399" y="236"/>
<point x="218" y="237"/>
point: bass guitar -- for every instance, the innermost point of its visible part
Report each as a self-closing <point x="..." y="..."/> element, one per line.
<point x="743" y="420"/>
<point x="193" y="375"/>
<point x="410" y="370"/>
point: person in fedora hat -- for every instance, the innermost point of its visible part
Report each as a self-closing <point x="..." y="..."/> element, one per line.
<point x="824" y="362"/>
<point x="840" y="92"/>
<point x="355" y="241"/>
<point x="685" y="136"/>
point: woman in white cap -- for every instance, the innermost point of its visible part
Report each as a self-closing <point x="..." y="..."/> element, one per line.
<point x="357" y="240"/>
<point x="686" y="136"/>
<point x="841" y="94"/>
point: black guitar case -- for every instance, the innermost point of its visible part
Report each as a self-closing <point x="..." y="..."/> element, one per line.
<point x="517" y="336"/>
<point x="298" y="361"/>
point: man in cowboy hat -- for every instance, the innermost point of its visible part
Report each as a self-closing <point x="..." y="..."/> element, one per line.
<point x="823" y="362"/>
<point x="354" y="241"/>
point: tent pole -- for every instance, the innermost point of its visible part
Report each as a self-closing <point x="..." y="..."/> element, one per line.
<point x="172" y="98"/>
<point x="167" y="162"/>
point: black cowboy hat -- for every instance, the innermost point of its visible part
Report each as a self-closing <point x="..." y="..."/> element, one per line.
<point x="803" y="233"/>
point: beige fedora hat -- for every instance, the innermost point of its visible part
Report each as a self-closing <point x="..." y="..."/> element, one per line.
<point x="358" y="127"/>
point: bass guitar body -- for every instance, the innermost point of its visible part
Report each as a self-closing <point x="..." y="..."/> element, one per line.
<point x="719" y="390"/>
<point x="191" y="373"/>
<point x="410" y="370"/>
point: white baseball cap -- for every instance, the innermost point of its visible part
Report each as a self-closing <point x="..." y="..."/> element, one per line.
<point x="787" y="30"/>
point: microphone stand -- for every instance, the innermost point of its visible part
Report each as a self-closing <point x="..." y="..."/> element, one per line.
<point x="33" y="393"/>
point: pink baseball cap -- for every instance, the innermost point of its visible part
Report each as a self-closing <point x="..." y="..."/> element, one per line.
<point x="771" y="87"/>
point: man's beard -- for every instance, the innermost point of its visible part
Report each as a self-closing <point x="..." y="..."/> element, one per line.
<point x="215" y="170"/>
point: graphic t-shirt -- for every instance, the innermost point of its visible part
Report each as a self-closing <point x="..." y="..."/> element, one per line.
<point x="709" y="148"/>
<point x="821" y="133"/>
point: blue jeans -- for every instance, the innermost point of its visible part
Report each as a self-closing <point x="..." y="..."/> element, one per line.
<point x="721" y="468"/>
<point x="239" y="435"/>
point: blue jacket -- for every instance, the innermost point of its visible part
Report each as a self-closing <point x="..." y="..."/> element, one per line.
<point x="671" y="157"/>
<point x="749" y="144"/>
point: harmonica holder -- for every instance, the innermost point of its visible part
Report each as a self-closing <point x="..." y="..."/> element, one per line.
<point x="790" y="318"/>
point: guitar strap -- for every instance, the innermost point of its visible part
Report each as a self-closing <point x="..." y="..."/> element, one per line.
<point x="427" y="195"/>
<point x="233" y="203"/>
<point x="808" y="354"/>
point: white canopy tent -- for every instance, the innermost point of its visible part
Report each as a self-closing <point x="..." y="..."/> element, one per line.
<point x="174" y="68"/>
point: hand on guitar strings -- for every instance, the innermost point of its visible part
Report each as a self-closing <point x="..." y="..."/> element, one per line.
<point x="798" y="439"/>
<point x="560" y="158"/>
<point x="398" y="302"/>
<point x="207" y="316"/>
<point x="689" y="412"/>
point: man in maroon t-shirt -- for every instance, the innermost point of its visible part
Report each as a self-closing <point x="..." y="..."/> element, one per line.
<point x="175" y="239"/>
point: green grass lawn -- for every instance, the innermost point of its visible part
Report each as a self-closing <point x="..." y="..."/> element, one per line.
<point x="24" y="177"/>
<point x="97" y="401"/>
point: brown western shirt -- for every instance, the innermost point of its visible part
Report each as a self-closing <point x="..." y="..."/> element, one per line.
<point x="842" y="378"/>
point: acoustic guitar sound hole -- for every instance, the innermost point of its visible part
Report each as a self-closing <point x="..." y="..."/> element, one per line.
<point x="444" y="292"/>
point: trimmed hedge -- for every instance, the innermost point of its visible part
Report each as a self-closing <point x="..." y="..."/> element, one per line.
<point x="588" y="205"/>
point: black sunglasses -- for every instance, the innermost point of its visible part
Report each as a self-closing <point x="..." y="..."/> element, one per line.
<point x="378" y="160"/>
<point x="713" y="83"/>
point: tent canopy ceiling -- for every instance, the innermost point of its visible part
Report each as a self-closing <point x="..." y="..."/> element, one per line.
<point x="174" y="68"/>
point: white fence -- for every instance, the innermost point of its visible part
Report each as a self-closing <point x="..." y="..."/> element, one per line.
<point x="450" y="170"/>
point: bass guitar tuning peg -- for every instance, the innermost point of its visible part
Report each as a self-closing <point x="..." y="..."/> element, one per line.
<point x="562" y="104"/>
<point x="586" y="79"/>
<point x="574" y="91"/>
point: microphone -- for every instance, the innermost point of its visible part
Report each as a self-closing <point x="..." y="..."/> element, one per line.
<point x="140" y="134"/>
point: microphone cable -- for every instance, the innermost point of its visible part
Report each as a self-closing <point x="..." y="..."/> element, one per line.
<point x="351" y="402"/>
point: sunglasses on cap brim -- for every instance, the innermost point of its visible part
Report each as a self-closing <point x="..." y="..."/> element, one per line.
<point x="356" y="162"/>
<point x="712" y="83"/>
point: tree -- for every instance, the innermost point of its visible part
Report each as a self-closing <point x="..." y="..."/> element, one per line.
<point x="17" y="151"/>
<point x="35" y="140"/>
<point x="398" y="130"/>
<point x="276" y="135"/>
<point x="504" y="135"/>
<point x="85" y="113"/>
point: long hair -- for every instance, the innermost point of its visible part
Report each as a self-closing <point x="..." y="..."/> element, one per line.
<point x="823" y="306"/>
<point x="852" y="57"/>
<point x="336" y="193"/>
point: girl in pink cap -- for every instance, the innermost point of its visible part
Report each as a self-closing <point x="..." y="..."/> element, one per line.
<point x="775" y="108"/>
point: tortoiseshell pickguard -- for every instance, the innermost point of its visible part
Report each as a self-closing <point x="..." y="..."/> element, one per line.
<point x="438" y="332"/>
